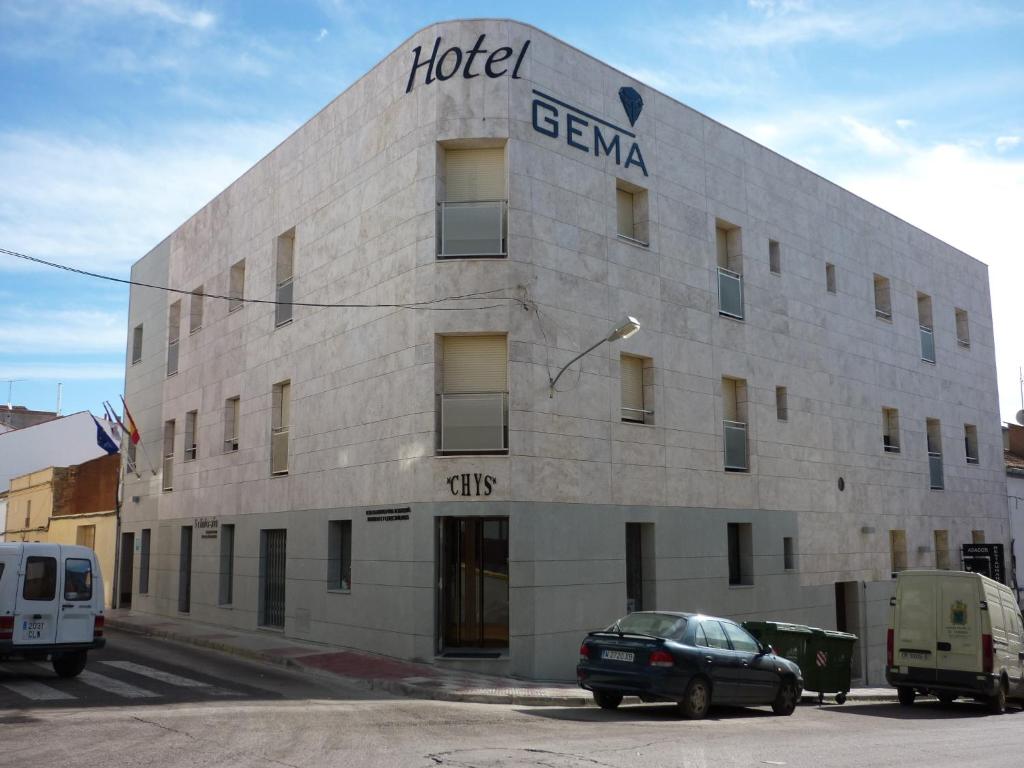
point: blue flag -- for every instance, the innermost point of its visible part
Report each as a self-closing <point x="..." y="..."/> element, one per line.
<point x="103" y="439"/>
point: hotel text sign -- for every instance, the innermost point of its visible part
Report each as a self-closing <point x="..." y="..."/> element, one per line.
<point x="444" y="66"/>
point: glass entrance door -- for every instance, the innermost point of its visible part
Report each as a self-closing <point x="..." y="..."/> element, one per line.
<point x="473" y="563"/>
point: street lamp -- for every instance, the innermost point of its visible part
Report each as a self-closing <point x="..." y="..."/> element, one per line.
<point x="623" y="330"/>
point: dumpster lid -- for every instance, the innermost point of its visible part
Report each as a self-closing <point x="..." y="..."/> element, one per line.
<point x="781" y="626"/>
<point x="836" y="634"/>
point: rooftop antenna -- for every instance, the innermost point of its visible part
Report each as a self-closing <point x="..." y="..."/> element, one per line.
<point x="60" y="391"/>
<point x="10" y="391"/>
<point x="1020" y="413"/>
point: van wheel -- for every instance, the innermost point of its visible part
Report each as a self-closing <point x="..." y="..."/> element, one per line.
<point x="946" y="698"/>
<point x="69" y="664"/>
<point x="785" y="701"/>
<point x="997" y="704"/>
<point x="697" y="699"/>
<point x="607" y="699"/>
<point x="905" y="695"/>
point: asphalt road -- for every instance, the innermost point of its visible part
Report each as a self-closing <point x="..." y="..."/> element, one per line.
<point x="238" y="713"/>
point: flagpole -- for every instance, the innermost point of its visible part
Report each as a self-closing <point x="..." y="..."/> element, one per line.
<point x="141" y="441"/>
<point x="112" y="416"/>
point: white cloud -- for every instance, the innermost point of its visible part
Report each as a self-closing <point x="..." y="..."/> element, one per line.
<point x="321" y="35"/>
<point x="1004" y="143"/>
<point x="101" y="206"/>
<point x="160" y="9"/>
<point x="904" y="123"/>
<point x="36" y="372"/>
<point x="873" y="139"/>
<point x="26" y="330"/>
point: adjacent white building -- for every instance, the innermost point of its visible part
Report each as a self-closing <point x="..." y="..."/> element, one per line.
<point x="810" y="404"/>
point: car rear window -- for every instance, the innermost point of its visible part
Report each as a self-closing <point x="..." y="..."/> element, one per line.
<point x="40" y="578"/>
<point x="656" y="624"/>
<point x="77" y="579"/>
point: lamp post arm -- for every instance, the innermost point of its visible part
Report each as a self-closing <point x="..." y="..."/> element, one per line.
<point x="566" y="366"/>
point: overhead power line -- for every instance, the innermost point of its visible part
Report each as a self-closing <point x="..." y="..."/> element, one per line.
<point x="428" y="305"/>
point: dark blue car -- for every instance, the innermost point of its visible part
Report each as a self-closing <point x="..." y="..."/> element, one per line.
<point x="691" y="659"/>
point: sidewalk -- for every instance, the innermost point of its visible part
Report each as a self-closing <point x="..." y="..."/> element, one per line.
<point x="382" y="673"/>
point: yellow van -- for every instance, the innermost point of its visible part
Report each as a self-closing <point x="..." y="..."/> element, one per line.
<point x="953" y="634"/>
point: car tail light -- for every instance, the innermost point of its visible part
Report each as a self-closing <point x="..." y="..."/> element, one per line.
<point x="6" y="627"/>
<point x="986" y="654"/>
<point x="584" y="652"/>
<point x="97" y="626"/>
<point x="888" y="647"/>
<point x="661" y="658"/>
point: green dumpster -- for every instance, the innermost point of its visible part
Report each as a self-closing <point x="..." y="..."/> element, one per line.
<point x="823" y="655"/>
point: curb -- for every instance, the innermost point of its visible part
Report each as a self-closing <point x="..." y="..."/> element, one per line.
<point x="409" y="690"/>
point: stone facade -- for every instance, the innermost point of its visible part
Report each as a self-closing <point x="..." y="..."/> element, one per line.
<point x="360" y="184"/>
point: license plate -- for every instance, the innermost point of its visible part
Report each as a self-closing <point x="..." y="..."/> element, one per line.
<point x="33" y="630"/>
<point x="916" y="655"/>
<point x="617" y="655"/>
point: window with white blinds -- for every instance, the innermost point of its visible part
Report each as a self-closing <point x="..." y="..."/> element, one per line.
<point x="631" y="371"/>
<point x="475" y="174"/>
<point x="475" y="364"/>
<point x="624" y="205"/>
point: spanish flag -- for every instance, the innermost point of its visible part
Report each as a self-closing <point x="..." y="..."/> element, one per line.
<point x="130" y="427"/>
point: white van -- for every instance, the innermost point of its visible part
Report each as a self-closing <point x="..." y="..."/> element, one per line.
<point x="51" y="604"/>
<point x="952" y="634"/>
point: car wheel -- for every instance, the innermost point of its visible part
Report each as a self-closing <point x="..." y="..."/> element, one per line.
<point x="946" y="698"/>
<point x="785" y="700"/>
<point x="607" y="699"/>
<point x="840" y="698"/>
<point x="69" y="664"/>
<point x="905" y="695"/>
<point x="697" y="699"/>
<point x="997" y="703"/>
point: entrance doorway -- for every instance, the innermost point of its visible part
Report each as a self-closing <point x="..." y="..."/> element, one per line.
<point x="473" y="599"/>
<point x="848" y="609"/>
<point x="185" y="570"/>
<point x="127" y="575"/>
<point x="273" y="549"/>
<point x="640" y="579"/>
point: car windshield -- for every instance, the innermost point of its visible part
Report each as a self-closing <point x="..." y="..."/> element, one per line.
<point x="655" y="624"/>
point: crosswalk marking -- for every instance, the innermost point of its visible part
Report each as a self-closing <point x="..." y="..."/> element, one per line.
<point x="168" y="678"/>
<point x="35" y="691"/>
<point x="110" y="685"/>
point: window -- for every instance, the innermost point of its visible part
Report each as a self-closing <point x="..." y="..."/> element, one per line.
<point x="781" y="404"/>
<point x="711" y="635"/>
<point x="85" y="536"/>
<point x="144" y="561"/>
<point x="830" y="277"/>
<point x="963" y="331"/>
<point x="191" y="451"/>
<point x="883" y="300"/>
<point x="236" y="286"/>
<point x="898" y="550"/>
<point x="227" y="565"/>
<point x="774" y="258"/>
<point x="280" y="421"/>
<point x="77" y="579"/>
<point x="232" y="408"/>
<point x="729" y="256"/>
<point x="977" y="537"/>
<point x="173" y="334"/>
<point x="631" y="372"/>
<point x="924" y="319"/>
<point x="788" y="554"/>
<point x="284" y="278"/>
<point x="741" y="556"/>
<point x="195" y="310"/>
<point x="168" y="463"/>
<point x="473" y="217"/>
<point x="971" y="443"/>
<point x="40" y="578"/>
<point x="890" y="430"/>
<point x="339" y="556"/>
<point x="740" y="638"/>
<point x="631" y="213"/>
<point x="28" y="513"/>
<point x="137" y="343"/>
<point x="474" y="394"/>
<point x="942" y="550"/>
<point x="129" y="454"/>
<point x="734" y="424"/>
<point x="933" y="430"/>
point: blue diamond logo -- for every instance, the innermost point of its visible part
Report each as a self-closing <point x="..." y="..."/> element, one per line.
<point x="632" y="102"/>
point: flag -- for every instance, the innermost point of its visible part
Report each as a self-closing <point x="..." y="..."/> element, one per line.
<point x="114" y="422"/>
<point x="114" y="417"/>
<point x="131" y="429"/>
<point x="102" y="438"/>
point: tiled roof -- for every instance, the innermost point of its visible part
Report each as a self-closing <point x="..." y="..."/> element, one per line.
<point x="1014" y="462"/>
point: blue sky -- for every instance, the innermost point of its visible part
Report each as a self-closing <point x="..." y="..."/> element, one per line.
<point x="123" y="117"/>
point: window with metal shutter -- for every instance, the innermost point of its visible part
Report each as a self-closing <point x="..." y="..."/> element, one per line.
<point x="475" y="364"/>
<point x="475" y="174"/>
<point x="624" y="201"/>
<point x="632" y="374"/>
